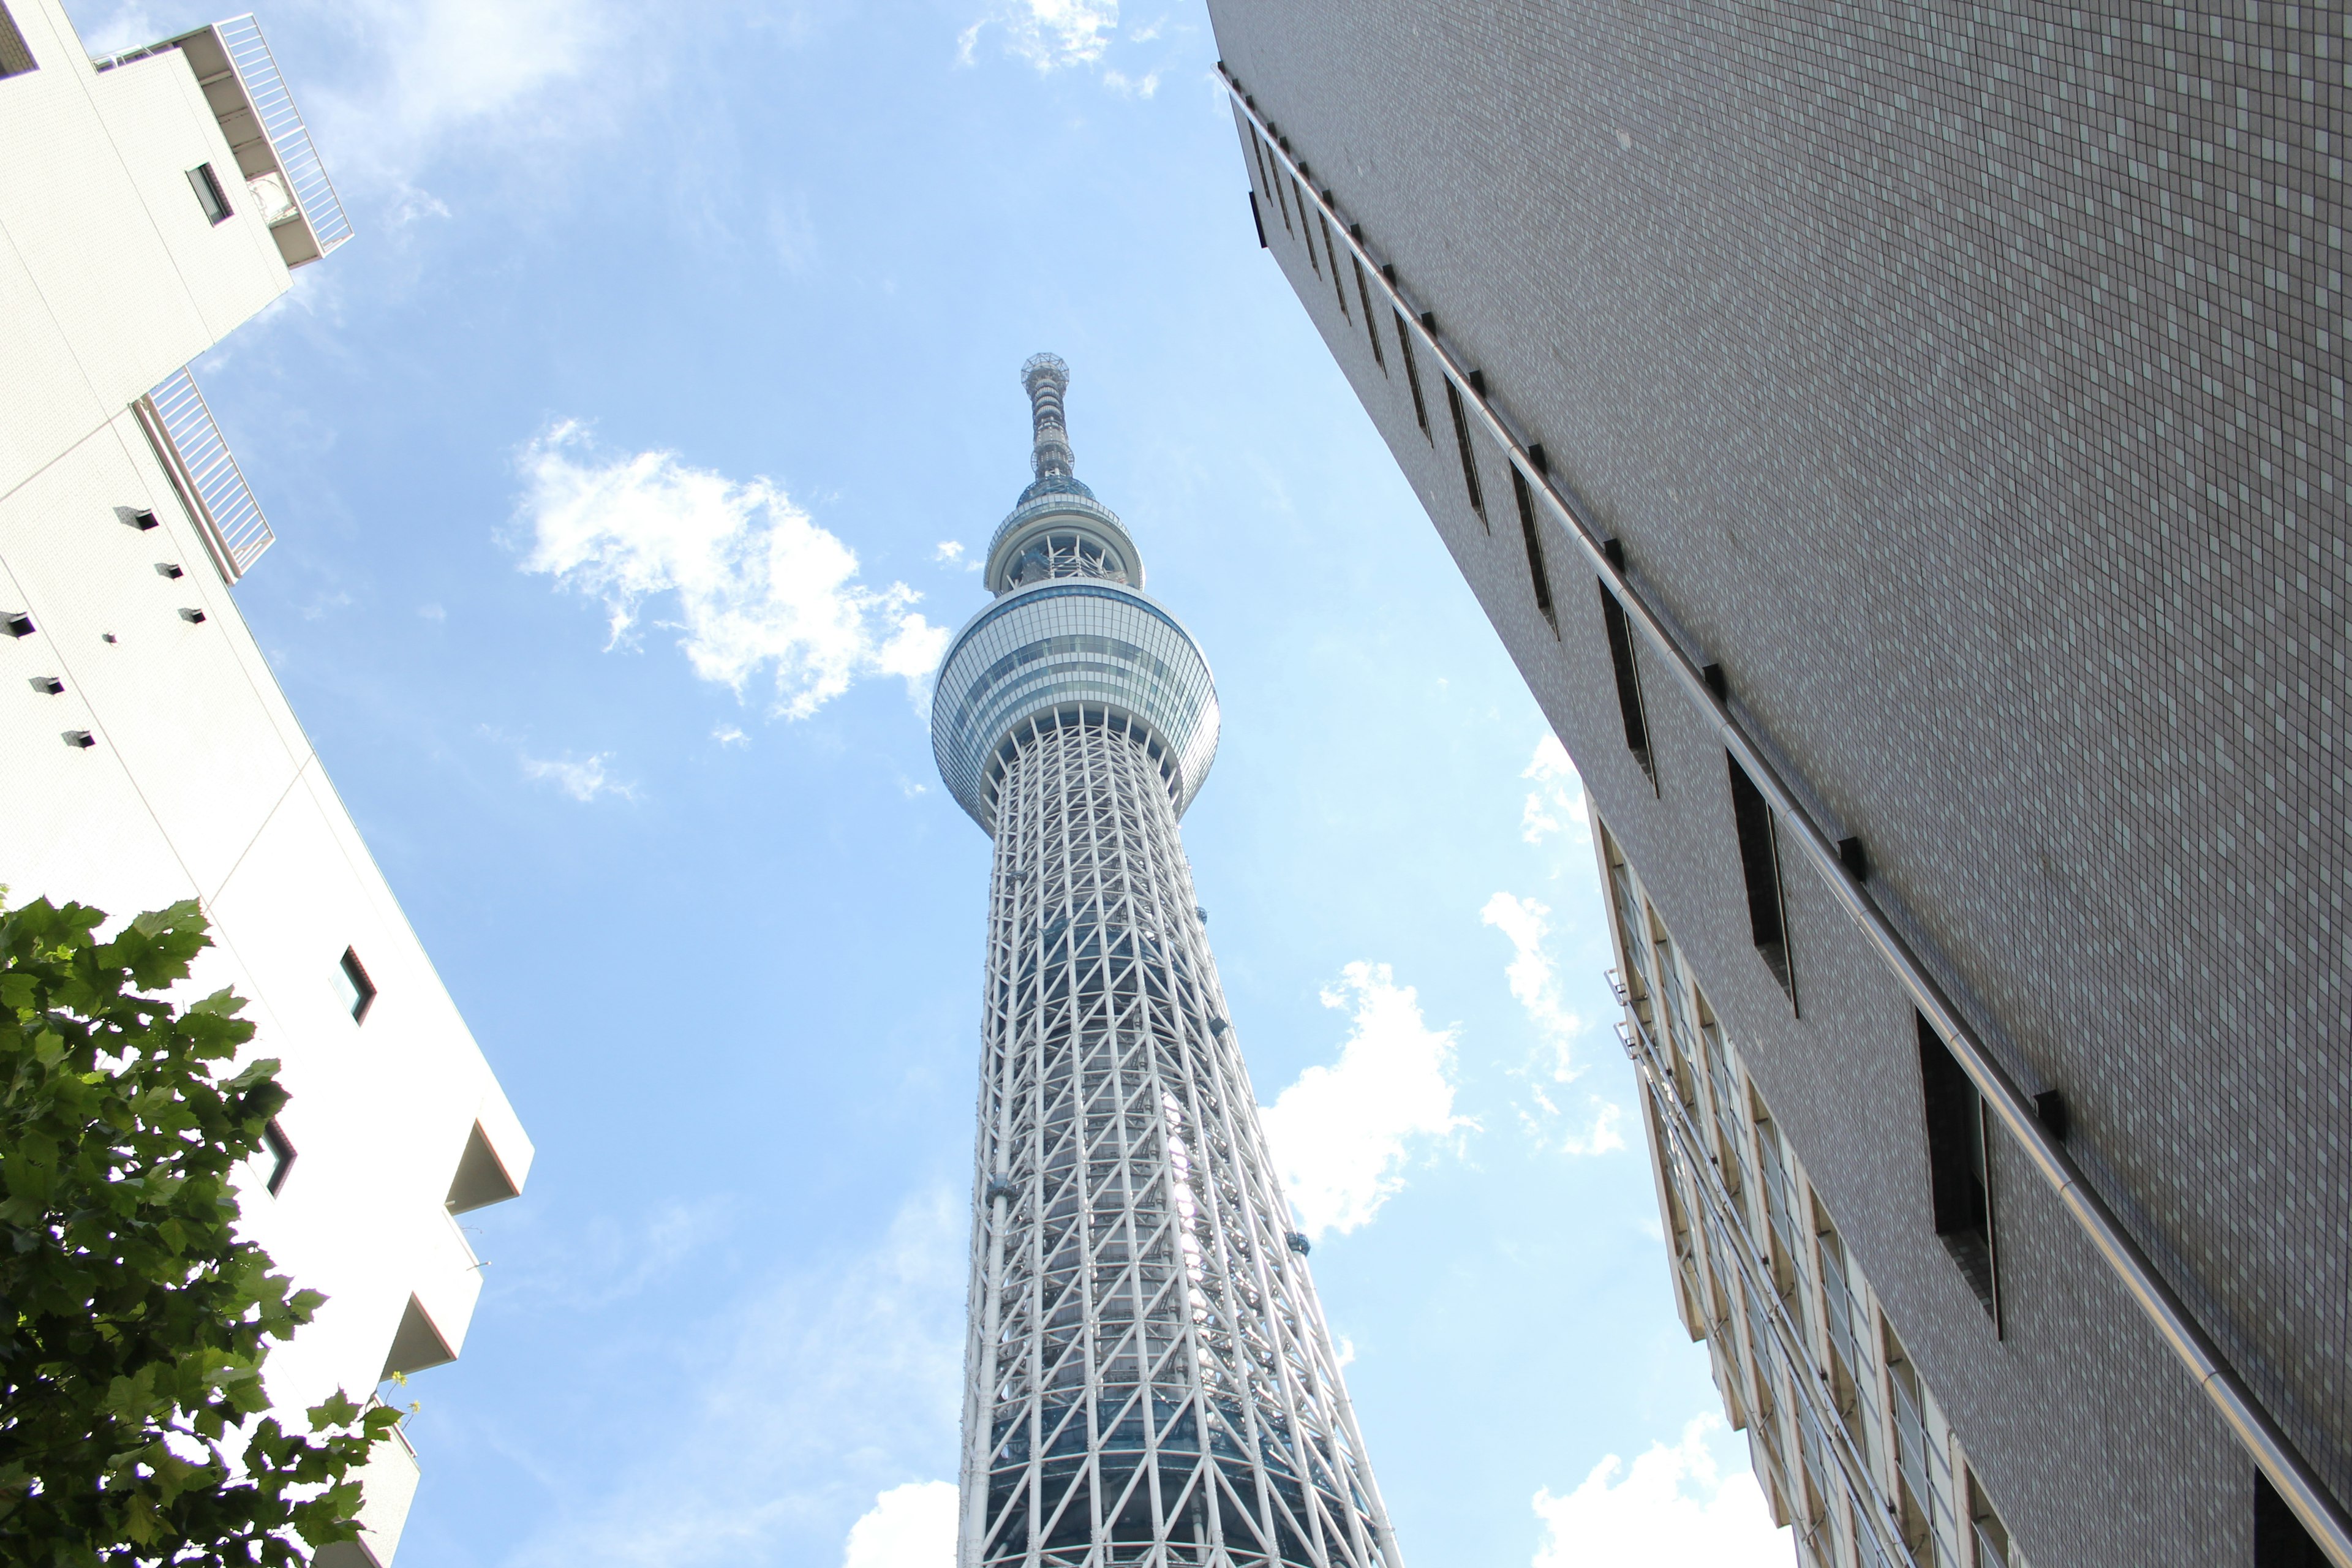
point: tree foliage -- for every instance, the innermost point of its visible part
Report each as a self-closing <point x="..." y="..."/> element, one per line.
<point x="135" y="1320"/>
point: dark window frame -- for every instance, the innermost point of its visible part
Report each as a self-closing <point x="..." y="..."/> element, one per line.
<point x="1372" y="322"/>
<point x="1305" y="232"/>
<point x="1624" y="659"/>
<point x="1469" y="455"/>
<point x="1338" y="284"/>
<point x="1959" y="1168"/>
<point x="1538" y="575"/>
<point x="356" y="973"/>
<point x="1759" y="869"/>
<point x="1412" y="377"/>
<point x="209" y="194"/>
<point x="282" y="1154"/>
<point x="2279" y="1539"/>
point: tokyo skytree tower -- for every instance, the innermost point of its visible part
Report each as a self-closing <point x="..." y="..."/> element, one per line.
<point x="1148" y="1376"/>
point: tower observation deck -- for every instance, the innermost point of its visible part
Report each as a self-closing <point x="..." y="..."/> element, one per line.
<point x="1148" y="1376"/>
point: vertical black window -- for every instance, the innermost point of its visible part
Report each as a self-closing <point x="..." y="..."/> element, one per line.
<point x="1284" y="202"/>
<point x="1469" y="457"/>
<point x="1338" y="284"/>
<point x="1305" y="232"/>
<point x="209" y="194"/>
<point x="2280" y="1539"/>
<point x="1629" y="682"/>
<point x="1412" y="375"/>
<point x="1537" y="575"/>
<point x="1956" y="1184"/>
<point x="16" y="60"/>
<point x="1759" y="865"/>
<point x="281" y="1149"/>
<point x="359" y="991"/>
<point x="1371" y="322"/>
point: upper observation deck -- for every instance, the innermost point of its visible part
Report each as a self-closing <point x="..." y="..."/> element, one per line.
<point x="1071" y="633"/>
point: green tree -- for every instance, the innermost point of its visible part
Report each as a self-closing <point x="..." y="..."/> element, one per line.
<point x="135" y="1320"/>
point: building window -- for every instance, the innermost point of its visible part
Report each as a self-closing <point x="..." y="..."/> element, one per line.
<point x="1412" y="375"/>
<point x="1957" y="1187"/>
<point x="16" y="60"/>
<point x="1281" y="201"/>
<point x="1540" y="578"/>
<point x="1759" y="865"/>
<point x="1629" y="682"/>
<point x="1305" y="232"/>
<point x="281" y="1154"/>
<point x="1338" y="284"/>
<point x="209" y="194"/>
<point x="2280" y="1539"/>
<point x="359" y="991"/>
<point x="1371" y="322"/>
<point x="1469" y="457"/>
<point x="1994" y="1549"/>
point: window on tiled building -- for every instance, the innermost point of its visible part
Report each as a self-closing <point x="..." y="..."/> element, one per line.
<point x="1760" y="867"/>
<point x="1960" y="1189"/>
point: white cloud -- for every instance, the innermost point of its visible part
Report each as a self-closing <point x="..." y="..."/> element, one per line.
<point x="125" y="29"/>
<point x="758" y="587"/>
<point x="1556" y="804"/>
<point x="1534" y="985"/>
<point x="949" y="552"/>
<point x="432" y="612"/>
<point x="780" y="1417"/>
<point x="582" y="780"/>
<point x="1048" y="34"/>
<point x="1674" y="1509"/>
<point x="442" y="68"/>
<point x="1342" y="1135"/>
<point x="912" y="1526"/>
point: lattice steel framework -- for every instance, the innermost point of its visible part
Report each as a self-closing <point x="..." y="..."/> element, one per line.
<point x="1148" y="1378"/>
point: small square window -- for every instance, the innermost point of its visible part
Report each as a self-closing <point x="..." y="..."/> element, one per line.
<point x="209" y="194"/>
<point x="281" y="1149"/>
<point x="359" y="991"/>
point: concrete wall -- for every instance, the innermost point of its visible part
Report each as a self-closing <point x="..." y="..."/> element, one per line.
<point x="1967" y="384"/>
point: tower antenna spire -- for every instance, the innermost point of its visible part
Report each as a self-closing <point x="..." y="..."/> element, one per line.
<point x="1046" y="377"/>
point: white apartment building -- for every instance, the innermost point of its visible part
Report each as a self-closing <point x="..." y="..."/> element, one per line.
<point x="1848" y="1442"/>
<point x="148" y="204"/>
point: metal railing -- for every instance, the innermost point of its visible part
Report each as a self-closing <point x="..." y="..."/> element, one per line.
<point x="205" y="472"/>
<point x="1817" y="845"/>
<point x="289" y="139"/>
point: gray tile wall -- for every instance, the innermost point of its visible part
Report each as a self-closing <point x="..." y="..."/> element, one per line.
<point x="1969" y="382"/>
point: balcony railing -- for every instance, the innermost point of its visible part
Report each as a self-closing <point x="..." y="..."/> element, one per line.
<point x="205" y="472"/>
<point x="273" y="106"/>
<point x="255" y="109"/>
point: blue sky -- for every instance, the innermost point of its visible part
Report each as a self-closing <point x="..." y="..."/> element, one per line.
<point x="619" y="470"/>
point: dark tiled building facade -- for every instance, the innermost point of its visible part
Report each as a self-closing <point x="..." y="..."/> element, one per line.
<point x="1961" y="389"/>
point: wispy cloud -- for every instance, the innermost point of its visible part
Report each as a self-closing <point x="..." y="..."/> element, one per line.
<point x="1534" y="985"/>
<point x="757" y="586"/>
<point x="1050" y="35"/>
<point x="584" y="779"/>
<point x="1556" y="804"/>
<point x="799" y="1403"/>
<point x="912" y="1526"/>
<point x="1674" y="1507"/>
<point x="730" y="735"/>
<point x="1342" y="1134"/>
<point x="442" y="70"/>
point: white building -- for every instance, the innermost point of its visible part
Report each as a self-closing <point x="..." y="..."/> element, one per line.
<point x="148" y="205"/>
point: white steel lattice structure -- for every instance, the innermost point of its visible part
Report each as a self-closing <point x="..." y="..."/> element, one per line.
<point x="1148" y="1379"/>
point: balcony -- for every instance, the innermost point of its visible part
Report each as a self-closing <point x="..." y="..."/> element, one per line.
<point x="205" y="472"/>
<point x="256" y="113"/>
